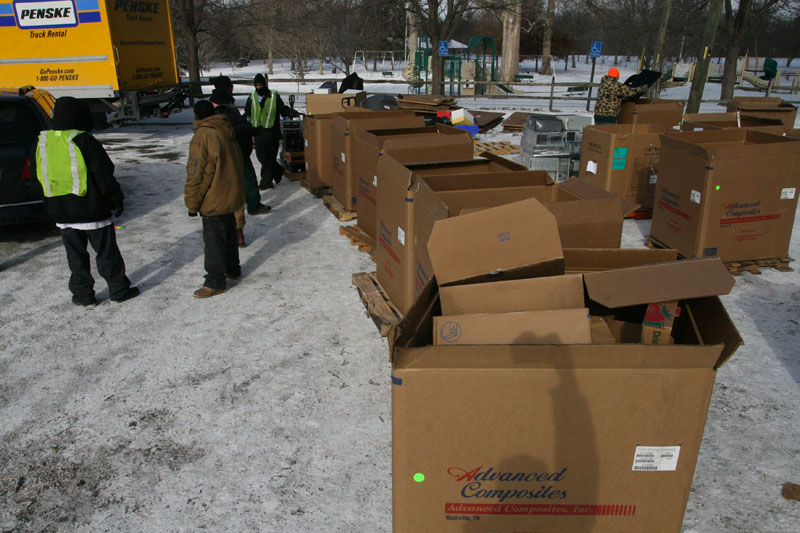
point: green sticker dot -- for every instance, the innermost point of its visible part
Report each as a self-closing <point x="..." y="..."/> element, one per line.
<point x="717" y="187"/>
<point x="419" y="478"/>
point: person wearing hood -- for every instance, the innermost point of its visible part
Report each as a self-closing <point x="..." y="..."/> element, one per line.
<point x="75" y="178"/>
<point x="215" y="189"/>
<point x="264" y="109"/>
<point x="223" y="101"/>
<point x="610" y="96"/>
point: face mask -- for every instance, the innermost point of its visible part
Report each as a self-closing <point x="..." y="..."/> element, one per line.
<point x="262" y="91"/>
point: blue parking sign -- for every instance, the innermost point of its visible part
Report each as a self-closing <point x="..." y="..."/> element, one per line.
<point x="444" y="48"/>
<point x="597" y="49"/>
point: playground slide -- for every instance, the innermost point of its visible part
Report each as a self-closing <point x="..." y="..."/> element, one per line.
<point x="508" y="90"/>
<point x="755" y="80"/>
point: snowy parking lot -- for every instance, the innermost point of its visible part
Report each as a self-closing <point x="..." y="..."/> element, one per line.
<point x="268" y="408"/>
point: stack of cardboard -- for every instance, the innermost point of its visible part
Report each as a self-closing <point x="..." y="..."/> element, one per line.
<point x="515" y="122"/>
<point x="623" y="159"/>
<point x="530" y="403"/>
<point x="728" y="193"/>
<point x="433" y="143"/>
<point x="652" y="111"/>
<point x="764" y="107"/>
<point x="426" y="104"/>
<point x="343" y="128"/>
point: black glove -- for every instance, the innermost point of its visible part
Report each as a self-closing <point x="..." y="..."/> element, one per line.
<point x="191" y="214"/>
<point x="118" y="210"/>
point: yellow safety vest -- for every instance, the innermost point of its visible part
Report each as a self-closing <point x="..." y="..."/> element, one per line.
<point x="263" y="116"/>
<point x="60" y="167"/>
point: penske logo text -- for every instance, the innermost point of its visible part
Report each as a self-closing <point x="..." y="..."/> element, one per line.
<point x="46" y="14"/>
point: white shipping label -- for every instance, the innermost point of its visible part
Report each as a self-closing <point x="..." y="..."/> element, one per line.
<point x="653" y="178"/>
<point x="694" y="196"/>
<point x="375" y="181"/>
<point x="656" y="458"/>
<point x="591" y="166"/>
<point x="305" y="141"/>
<point x="787" y="194"/>
<point x="401" y="235"/>
<point x="343" y="157"/>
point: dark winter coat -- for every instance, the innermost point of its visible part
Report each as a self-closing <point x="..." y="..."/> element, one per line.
<point x="103" y="193"/>
<point x="610" y="96"/>
<point x="273" y="134"/>
<point x="242" y="128"/>
<point x="214" y="184"/>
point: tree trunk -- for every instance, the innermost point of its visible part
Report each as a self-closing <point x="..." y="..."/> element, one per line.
<point x="573" y="60"/>
<point x="704" y="57"/>
<point x="512" y="23"/>
<point x="660" y="38"/>
<point x="547" y="41"/>
<point x="413" y="37"/>
<point x="270" y="60"/>
<point x="193" y="63"/>
<point x="736" y="30"/>
<point x="437" y="71"/>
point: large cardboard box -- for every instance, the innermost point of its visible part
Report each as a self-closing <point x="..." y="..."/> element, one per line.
<point x="552" y="326"/>
<point x="623" y="159"/>
<point x="765" y="107"/>
<point x="395" y="231"/>
<point x="326" y="104"/>
<point x="412" y="197"/>
<point x="318" y="140"/>
<point x="719" y="121"/>
<point x="567" y="438"/>
<point x="652" y="111"/>
<point x="344" y="125"/>
<point x="433" y="143"/>
<point x="731" y="193"/>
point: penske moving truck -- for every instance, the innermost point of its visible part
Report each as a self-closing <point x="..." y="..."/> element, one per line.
<point x="117" y="54"/>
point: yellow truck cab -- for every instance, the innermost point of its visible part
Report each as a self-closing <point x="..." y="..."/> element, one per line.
<point x="118" y="54"/>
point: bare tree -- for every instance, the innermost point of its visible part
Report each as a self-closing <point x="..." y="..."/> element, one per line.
<point x="547" y="40"/>
<point x="190" y="18"/>
<point x="512" y="24"/>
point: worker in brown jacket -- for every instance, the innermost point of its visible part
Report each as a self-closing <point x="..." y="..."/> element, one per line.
<point x="214" y="188"/>
<point x="610" y="96"/>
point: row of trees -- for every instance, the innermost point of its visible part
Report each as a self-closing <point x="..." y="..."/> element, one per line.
<point x="329" y="32"/>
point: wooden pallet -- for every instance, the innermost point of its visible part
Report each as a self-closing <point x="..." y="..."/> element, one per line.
<point x="295" y="176"/>
<point x="754" y="267"/>
<point x="781" y="264"/>
<point x="496" y="147"/>
<point x="337" y="209"/>
<point x="316" y="191"/>
<point x="358" y="238"/>
<point x="375" y="299"/>
<point x="294" y="157"/>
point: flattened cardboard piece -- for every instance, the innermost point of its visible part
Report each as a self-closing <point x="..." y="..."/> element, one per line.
<point x="596" y="259"/>
<point x="533" y="294"/>
<point x="506" y="242"/>
<point x="557" y="326"/>
<point x="765" y="107"/>
<point x="661" y="282"/>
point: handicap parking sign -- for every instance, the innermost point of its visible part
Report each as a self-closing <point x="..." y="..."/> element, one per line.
<point x="444" y="48"/>
<point x="597" y="49"/>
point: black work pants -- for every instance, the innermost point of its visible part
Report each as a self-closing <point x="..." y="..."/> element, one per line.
<point x="109" y="262"/>
<point x="221" y="249"/>
<point x="267" y="154"/>
<point x="604" y="119"/>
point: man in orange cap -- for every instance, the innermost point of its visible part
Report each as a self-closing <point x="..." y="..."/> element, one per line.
<point x="610" y="96"/>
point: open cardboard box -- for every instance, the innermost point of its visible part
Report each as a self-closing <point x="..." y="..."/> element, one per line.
<point x="568" y="438"/>
<point x="730" y="193"/>
<point x="343" y="127"/>
<point x="719" y="121"/>
<point x="765" y="107"/>
<point x="326" y="104"/>
<point x="432" y="143"/>
<point x="652" y="111"/>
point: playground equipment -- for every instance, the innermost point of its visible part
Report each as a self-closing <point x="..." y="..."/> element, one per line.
<point x="418" y="74"/>
<point x="483" y="67"/>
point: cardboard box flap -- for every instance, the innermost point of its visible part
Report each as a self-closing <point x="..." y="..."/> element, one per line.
<point x="493" y="241"/>
<point x="661" y="282"/>
<point x="715" y="326"/>
<point x="585" y="191"/>
<point x="595" y="259"/>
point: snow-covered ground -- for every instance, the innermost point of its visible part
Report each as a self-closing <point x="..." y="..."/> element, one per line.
<point x="268" y="408"/>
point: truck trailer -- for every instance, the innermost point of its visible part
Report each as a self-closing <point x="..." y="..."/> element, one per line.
<point x="119" y="55"/>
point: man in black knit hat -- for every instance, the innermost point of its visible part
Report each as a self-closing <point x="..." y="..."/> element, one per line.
<point x="264" y="109"/>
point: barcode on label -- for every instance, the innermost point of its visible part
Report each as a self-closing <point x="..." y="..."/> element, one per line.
<point x="656" y="458"/>
<point x="646" y="468"/>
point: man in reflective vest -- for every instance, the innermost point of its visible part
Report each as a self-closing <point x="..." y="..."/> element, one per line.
<point x="264" y="109"/>
<point x="75" y="177"/>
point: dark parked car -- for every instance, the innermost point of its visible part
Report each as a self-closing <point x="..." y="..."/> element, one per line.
<point x="21" y="120"/>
